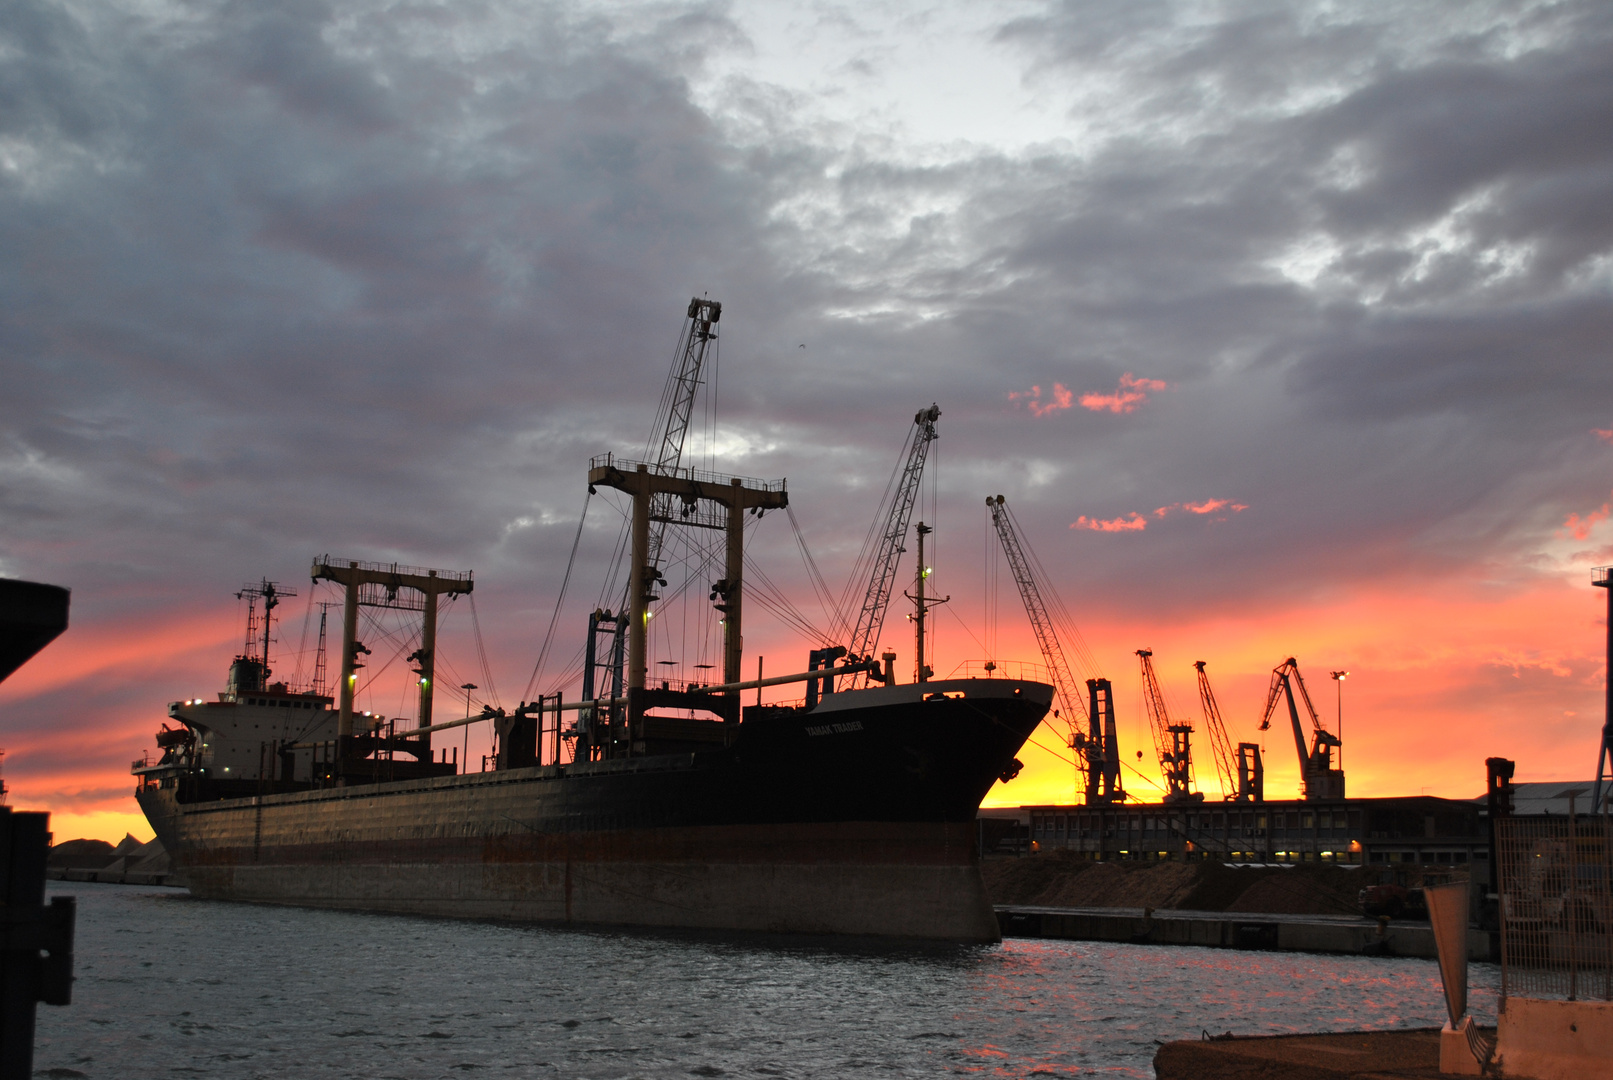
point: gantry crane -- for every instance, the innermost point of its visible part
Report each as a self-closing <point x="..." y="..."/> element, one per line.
<point x="871" y="619"/>
<point x="1320" y="779"/>
<point x="1095" y="749"/>
<point x="1172" y="741"/>
<point x="1242" y="773"/>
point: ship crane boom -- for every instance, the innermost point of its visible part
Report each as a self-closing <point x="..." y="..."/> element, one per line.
<point x="871" y="619"/>
<point x="1320" y="779"/>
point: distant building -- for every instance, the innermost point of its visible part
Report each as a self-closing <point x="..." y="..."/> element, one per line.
<point x="1419" y="830"/>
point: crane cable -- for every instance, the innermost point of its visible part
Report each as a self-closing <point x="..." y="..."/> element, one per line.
<point x="554" y="619"/>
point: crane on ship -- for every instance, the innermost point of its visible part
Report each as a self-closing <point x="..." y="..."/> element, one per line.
<point x="1172" y="741"/>
<point x="1096" y="749"/>
<point x="605" y="647"/>
<point x="1241" y="772"/>
<point x="1319" y="778"/>
<point x="890" y="544"/>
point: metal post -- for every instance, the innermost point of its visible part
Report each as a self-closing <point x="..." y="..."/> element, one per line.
<point x="1338" y="683"/>
<point x="733" y="642"/>
<point x="428" y="658"/>
<point x="1603" y="579"/>
<point x="1573" y="891"/>
<point x="638" y="587"/>
<point x="344" y="718"/>
<point x="918" y="617"/>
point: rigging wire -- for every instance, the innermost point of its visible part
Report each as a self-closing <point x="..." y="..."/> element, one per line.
<point x="481" y="651"/>
<point x="302" y="640"/>
<point x="862" y="568"/>
<point x="559" y="603"/>
<point x="820" y="587"/>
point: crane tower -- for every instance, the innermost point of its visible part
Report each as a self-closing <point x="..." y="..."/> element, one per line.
<point x="1098" y="761"/>
<point x="1320" y="779"/>
<point x="1241" y="772"/>
<point x="1172" y="741"/>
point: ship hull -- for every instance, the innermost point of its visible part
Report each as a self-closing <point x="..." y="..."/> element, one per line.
<point x="855" y="818"/>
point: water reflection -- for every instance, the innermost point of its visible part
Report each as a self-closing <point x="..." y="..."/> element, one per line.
<point x="172" y="986"/>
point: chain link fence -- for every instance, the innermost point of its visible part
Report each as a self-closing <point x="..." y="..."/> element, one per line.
<point x="1556" y="907"/>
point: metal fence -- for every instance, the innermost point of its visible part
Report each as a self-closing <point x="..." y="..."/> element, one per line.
<point x="1556" y="907"/>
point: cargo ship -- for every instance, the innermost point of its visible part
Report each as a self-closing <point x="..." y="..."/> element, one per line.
<point x="636" y="802"/>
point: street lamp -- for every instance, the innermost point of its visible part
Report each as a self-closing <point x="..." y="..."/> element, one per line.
<point x="1338" y="681"/>
<point x="464" y="754"/>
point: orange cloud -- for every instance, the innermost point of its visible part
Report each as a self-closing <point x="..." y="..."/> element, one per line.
<point x="1135" y="523"/>
<point x="1131" y="393"/>
<point x="1033" y="399"/>
<point x="1580" y="527"/>
<point x="1605" y="434"/>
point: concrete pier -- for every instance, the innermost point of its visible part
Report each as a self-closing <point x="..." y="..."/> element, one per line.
<point x="1231" y="930"/>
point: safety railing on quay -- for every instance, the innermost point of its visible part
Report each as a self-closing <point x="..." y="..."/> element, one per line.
<point x="1556" y="906"/>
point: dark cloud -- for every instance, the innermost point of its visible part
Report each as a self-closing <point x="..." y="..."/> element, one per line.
<point x="377" y="280"/>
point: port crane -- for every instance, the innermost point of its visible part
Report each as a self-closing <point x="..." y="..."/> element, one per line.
<point x="1096" y="749"/>
<point x="1242" y="772"/>
<point x="1320" y="779"/>
<point x="1172" y="741"/>
<point x="871" y="618"/>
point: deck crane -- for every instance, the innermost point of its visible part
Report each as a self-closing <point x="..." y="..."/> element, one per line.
<point x="1320" y="779"/>
<point x="1242" y="773"/>
<point x="605" y="645"/>
<point x="871" y="619"/>
<point x="1173" y="742"/>
<point x="1096" y="749"/>
<point x="699" y="338"/>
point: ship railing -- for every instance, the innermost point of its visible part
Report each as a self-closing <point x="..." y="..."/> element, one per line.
<point x="611" y="461"/>
<point x="1022" y="670"/>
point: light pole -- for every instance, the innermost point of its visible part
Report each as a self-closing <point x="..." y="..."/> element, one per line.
<point x="1338" y="682"/>
<point x="465" y="753"/>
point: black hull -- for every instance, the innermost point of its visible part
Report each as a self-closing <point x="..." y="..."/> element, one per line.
<point x="857" y="817"/>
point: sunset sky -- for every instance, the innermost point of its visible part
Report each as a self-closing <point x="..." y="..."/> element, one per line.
<point x="1284" y="328"/>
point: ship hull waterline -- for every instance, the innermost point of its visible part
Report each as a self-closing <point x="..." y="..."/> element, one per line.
<point x="841" y="821"/>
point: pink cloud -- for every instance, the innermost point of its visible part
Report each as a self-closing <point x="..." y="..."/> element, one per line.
<point x="1135" y="523"/>
<point x="1605" y="434"/>
<point x="1131" y="393"/>
<point x="1208" y="506"/>
<point x="1060" y="400"/>
<point x="1580" y="527"/>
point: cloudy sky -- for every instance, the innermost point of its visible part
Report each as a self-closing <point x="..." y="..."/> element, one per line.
<point x="1284" y="328"/>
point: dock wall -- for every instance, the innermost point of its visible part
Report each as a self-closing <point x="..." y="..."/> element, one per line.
<point x="1218" y="930"/>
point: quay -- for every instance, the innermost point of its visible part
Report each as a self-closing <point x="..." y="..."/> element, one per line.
<point x="1351" y="1055"/>
<point x="1232" y="930"/>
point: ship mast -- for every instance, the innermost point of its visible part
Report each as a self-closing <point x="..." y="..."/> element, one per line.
<point x="922" y="606"/>
<point x="256" y="651"/>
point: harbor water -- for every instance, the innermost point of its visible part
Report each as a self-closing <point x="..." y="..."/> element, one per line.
<point x="171" y="986"/>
